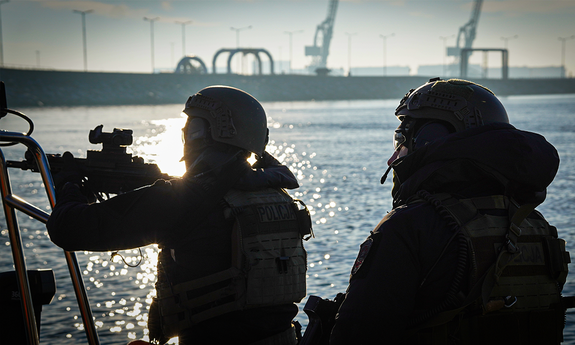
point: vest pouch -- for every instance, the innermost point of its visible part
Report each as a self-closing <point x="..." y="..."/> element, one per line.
<point x="531" y="278"/>
<point x="525" y="275"/>
<point x="274" y="260"/>
<point x="557" y="258"/>
<point x="268" y="242"/>
<point x="180" y="306"/>
<point x="268" y="263"/>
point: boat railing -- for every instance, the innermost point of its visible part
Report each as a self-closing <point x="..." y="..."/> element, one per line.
<point x="11" y="203"/>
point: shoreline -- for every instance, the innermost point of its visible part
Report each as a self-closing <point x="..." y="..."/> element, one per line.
<point x="36" y="88"/>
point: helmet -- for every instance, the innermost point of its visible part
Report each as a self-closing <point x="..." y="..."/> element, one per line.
<point x="235" y="117"/>
<point x="440" y="107"/>
<point x="461" y="103"/>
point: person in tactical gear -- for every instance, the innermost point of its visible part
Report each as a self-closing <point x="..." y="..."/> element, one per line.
<point x="232" y="263"/>
<point x="463" y="257"/>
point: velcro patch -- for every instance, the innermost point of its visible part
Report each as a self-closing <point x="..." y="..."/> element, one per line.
<point x="275" y="212"/>
<point x="363" y="251"/>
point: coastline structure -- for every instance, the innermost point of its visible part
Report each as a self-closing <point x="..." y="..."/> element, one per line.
<point x="32" y="88"/>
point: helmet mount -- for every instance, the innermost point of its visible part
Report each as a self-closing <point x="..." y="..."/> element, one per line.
<point x="218" y="111"/>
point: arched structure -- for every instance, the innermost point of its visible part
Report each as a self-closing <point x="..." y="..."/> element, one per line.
<point x="186" y="65"/>
<point x="245" y="51"/>
<point x="465" y="52"/>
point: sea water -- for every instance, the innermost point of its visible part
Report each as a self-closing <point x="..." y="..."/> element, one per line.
<point x="338" y="151"/>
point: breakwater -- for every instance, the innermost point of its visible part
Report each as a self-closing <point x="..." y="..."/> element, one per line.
<point x="31" y="88"/>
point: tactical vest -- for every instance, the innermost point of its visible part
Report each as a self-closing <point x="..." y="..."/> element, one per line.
<point x="518" y="267"/>
<point x="268" y="268"/>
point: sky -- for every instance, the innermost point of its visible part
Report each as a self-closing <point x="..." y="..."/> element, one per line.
<point x="48" y="34"/>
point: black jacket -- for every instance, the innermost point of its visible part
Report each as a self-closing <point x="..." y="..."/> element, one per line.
<point x="185" y="218"/>
<point x="393" y="278"/>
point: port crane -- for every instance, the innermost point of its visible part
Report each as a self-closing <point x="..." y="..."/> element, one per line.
<point x="321" y="41"/>
<point x="466" y="34"/>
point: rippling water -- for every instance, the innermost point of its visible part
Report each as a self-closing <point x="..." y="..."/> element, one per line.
<point x="338" y="151"/>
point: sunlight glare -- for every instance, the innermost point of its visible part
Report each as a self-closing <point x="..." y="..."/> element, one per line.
<point x="165" y="146"/>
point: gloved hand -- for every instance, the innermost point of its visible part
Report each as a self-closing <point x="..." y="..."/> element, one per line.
<point x="74" y="174"/>
<point x="266" y="160"/>
<point x="155" y="325"/>
<point x="70" y="173"/>
<point x="268" y="172"/>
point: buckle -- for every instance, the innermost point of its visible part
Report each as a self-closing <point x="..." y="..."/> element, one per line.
<point x="512" y="235"/>
<point x="510" y="301"/>
<point x="515" y="229"/>
<point x="511" y="246"/>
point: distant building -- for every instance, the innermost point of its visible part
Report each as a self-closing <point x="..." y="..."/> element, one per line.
<point x="378" y="71"/>
<point x="448" y="71"/>
<point x="280" y="67"/>
<point x="476" y="71"/>
<point x="529" y="72"/>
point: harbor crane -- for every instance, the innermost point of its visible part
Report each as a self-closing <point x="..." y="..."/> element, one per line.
<point x="321" y="41"/>
<point x="467" y="35"/>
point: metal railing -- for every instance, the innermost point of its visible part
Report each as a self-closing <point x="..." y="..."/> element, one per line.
<point x="12" y="203"/>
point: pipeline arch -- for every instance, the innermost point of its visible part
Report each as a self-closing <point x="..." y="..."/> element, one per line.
<point x="255" y="51"/>
<point x="191" y="65"/>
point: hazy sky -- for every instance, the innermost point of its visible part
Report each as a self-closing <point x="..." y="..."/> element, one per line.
<point x="49" y="33"/>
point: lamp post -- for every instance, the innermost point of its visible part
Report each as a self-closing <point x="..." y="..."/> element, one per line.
<point x="290" y="33"/>
<point x="444" y="38"/>
<point x="237" y="30"/>
<point x="349" y="51"/>
<point x="1" y="41"/>
<point x="385" y="52"/>
<point x="505" y="39"/>
<point x="280" y="64"/>
<point x="152" y="20"/>
<point x="563" y="39"/>
<point x="83" y="14"/>
<point x="184" y="35"/>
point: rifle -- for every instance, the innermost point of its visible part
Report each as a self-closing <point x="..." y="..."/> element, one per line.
<point x="321" y="313"/>
<point x="111" y="170"/>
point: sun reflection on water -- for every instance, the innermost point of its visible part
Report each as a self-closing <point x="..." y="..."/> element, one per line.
<point x="125" y="310"/>
<point x="330" y="148"/>
<point x="121" y="295"/>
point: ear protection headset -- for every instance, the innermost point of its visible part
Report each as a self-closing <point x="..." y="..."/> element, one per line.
<point x="196" y="128"/>
<point x="409" y="135"/>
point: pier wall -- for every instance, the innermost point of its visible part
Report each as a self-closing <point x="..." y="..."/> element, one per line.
<point x="30" y="88"/>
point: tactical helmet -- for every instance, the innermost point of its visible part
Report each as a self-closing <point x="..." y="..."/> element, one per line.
<point x="235" y="117"/>
<point x="461" y="103"/>
<point x="441" y="107"/>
